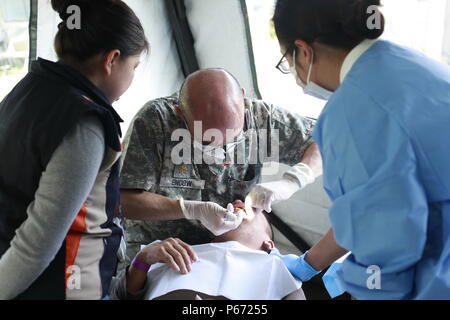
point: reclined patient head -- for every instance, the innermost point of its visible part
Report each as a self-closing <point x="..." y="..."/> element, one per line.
<point x="256" y="234"/>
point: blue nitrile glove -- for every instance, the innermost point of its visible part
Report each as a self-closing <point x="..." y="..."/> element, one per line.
<point x="332" y="282"/>
<point x="298" y="266"/>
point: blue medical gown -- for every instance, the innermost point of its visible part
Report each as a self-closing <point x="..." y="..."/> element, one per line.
<point x="385" y="142"/>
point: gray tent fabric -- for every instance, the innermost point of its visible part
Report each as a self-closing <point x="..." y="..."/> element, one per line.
<point x="446" y="49"/>
<point x="33" y="31"/>
<point x="250" y="49"/>
<point x="176" y="12"/>
<point x="185" y="42"/>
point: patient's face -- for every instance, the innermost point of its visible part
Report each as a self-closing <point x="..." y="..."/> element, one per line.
<point x="255" y="234"/>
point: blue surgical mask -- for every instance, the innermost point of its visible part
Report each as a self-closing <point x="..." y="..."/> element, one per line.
<point x="310" y="88"/>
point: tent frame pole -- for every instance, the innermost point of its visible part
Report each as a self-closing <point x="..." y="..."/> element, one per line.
<point x="33" y="32"/>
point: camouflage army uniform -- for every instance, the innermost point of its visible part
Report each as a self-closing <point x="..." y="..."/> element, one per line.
<point x="147" y="165"/>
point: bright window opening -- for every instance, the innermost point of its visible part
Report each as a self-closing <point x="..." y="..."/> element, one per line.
<point x="14" y="43"/>
<point x="423" y="25"/>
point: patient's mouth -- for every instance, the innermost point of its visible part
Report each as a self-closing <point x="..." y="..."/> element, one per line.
<point x="249" y="214"/>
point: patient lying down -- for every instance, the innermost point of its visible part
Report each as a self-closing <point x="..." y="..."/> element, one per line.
<point x="235" y="266"/>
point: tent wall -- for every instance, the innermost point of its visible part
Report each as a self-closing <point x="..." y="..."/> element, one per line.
<point x="33" y="5"/>
<point x="222" y="39"/>
<point x="176" y="12"/>
<point x="160" y="72"/>
<point x="446" y="48"/>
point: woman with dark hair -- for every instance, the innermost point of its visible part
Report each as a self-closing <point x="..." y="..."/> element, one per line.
<point x="384" y="137"/>
<point x="59" y="140"/>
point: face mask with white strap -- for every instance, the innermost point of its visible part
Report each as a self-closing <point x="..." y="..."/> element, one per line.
<point x="310" y="88"/>
<point x="218" y="154"/>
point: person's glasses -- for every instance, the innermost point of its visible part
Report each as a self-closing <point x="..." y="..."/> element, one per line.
<point x="283" y="66"/>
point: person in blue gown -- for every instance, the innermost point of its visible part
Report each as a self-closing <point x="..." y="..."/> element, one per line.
<point x="384" y="137"/>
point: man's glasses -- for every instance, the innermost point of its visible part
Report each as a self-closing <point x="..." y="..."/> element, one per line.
<point x="240" y="138"/>
<point x="283" y="65"/>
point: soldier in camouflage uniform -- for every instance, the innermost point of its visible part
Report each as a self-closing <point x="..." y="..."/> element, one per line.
<point x="148" y="167"/>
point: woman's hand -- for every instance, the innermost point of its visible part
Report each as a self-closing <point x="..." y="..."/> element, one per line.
<point x="175" y="253"/>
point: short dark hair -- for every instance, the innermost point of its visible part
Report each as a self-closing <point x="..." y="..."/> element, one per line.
<point x="337" y="23"/>
<point x="105" y="25"/>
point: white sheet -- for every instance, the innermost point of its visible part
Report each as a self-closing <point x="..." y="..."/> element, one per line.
<point x="227" y="269"/>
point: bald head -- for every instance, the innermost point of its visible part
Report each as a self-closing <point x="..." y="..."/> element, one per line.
<point x="215" y="98"/>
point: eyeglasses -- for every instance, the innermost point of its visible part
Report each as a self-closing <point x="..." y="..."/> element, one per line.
<point x="283" y="66"/>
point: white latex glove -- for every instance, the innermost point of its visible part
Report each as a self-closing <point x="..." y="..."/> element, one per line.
<point x="265" y="194"/>
<point x="215" y="218"/>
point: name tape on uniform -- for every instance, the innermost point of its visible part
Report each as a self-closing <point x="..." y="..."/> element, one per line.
<point x="182" y="183"/>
